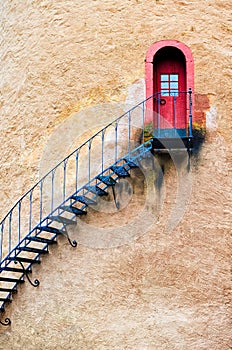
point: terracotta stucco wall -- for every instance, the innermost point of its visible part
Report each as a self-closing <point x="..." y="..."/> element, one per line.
<point x="161" y="290"/>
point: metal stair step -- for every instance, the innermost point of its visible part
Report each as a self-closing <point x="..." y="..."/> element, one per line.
<point x="8" y="290"/>
<point x="96" y="190"/>
<point x="130" y="163"/>
<point x="12" y="280"/>
<point x="41" y="240"/>
<point x="73" y="210"/>
<point x="107" y="180"/>
<point x="50" y="229"/>
<point x="83" y="199"/>
<point x="32" y="250"/>
<point x="13" y="269"/>
<point x="120" y="171"/>
<point x="62" y="220"/>
<point x="7" y="299"/>
<point x="25" y="260"/>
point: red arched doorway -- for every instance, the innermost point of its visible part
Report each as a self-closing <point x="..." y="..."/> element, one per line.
<point x="169" y="78"/>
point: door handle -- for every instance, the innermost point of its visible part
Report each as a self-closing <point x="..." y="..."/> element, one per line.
<point x="162" y="101"/>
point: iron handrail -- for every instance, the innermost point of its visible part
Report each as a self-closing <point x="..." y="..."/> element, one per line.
<point x="13" y="219"/>
<point x="73" y="152"/>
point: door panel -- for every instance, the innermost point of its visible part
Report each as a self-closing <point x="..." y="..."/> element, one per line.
<point x="170" y="84"/>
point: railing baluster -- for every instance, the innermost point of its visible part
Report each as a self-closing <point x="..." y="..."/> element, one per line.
<point x="52" y="199"/>
<point x="77" y="159"/>
<point x="175" y="114"/>
<point x="102" y="149"/>
<point x="19" y="221"/>
<point x="41" y="201"/>
<point x="129" y="132"/>
<point x="143" y="120"/>
<point x="30" y="215"/>
<point x="89" y="159"/>
<point x="1" y="238"/>
<point x="190" y="113"/>
<point x="64" y="179"/>
<point x="116" y="141"/>
<point x="10" y="232"/>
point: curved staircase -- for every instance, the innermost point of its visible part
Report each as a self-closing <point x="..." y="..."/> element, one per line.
<point x="47" y="210"/>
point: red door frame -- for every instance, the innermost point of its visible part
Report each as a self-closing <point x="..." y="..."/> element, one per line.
<point x="149" y="72"/>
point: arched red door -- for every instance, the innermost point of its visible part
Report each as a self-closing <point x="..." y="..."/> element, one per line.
<point x="169" y="76"/>
<point x="170" y="87"/>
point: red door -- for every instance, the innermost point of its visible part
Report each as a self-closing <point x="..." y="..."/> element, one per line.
<point x="170" y="101"/>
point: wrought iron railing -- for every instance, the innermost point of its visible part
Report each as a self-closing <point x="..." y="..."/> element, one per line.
<point x="118" y="139"/>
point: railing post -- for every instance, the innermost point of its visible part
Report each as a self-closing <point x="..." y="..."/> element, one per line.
<point x="89" y="159"/>
<point x="1" y="240"/>
<point x="64" y="179"/>
<point x="116" y="141"/>
<point x="175" y="114"/>
<point x="77" y="159"/>
<point x="52" y="199"/>
<point x="19" y="221"/>
<point x="102" y="149"/>
<point x="158" y="121"/>
<point x="190" y="113"/>
<point x="41" y="201"/>
<point x="10" y="232"/>
<point x="143" y="121"/>
<point x="129" y="131"/>
<point x="30" y="215"/>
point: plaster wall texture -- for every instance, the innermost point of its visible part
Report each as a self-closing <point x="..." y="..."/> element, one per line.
<point x="161" y="288"/>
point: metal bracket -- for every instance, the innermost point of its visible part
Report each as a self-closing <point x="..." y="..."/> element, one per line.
<point x="65" y="233"/>
<point x="36" y="281"/>
<point x="6" y="322"/>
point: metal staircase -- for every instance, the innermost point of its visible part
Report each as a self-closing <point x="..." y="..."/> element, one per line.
<point x="47" y="210"/>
